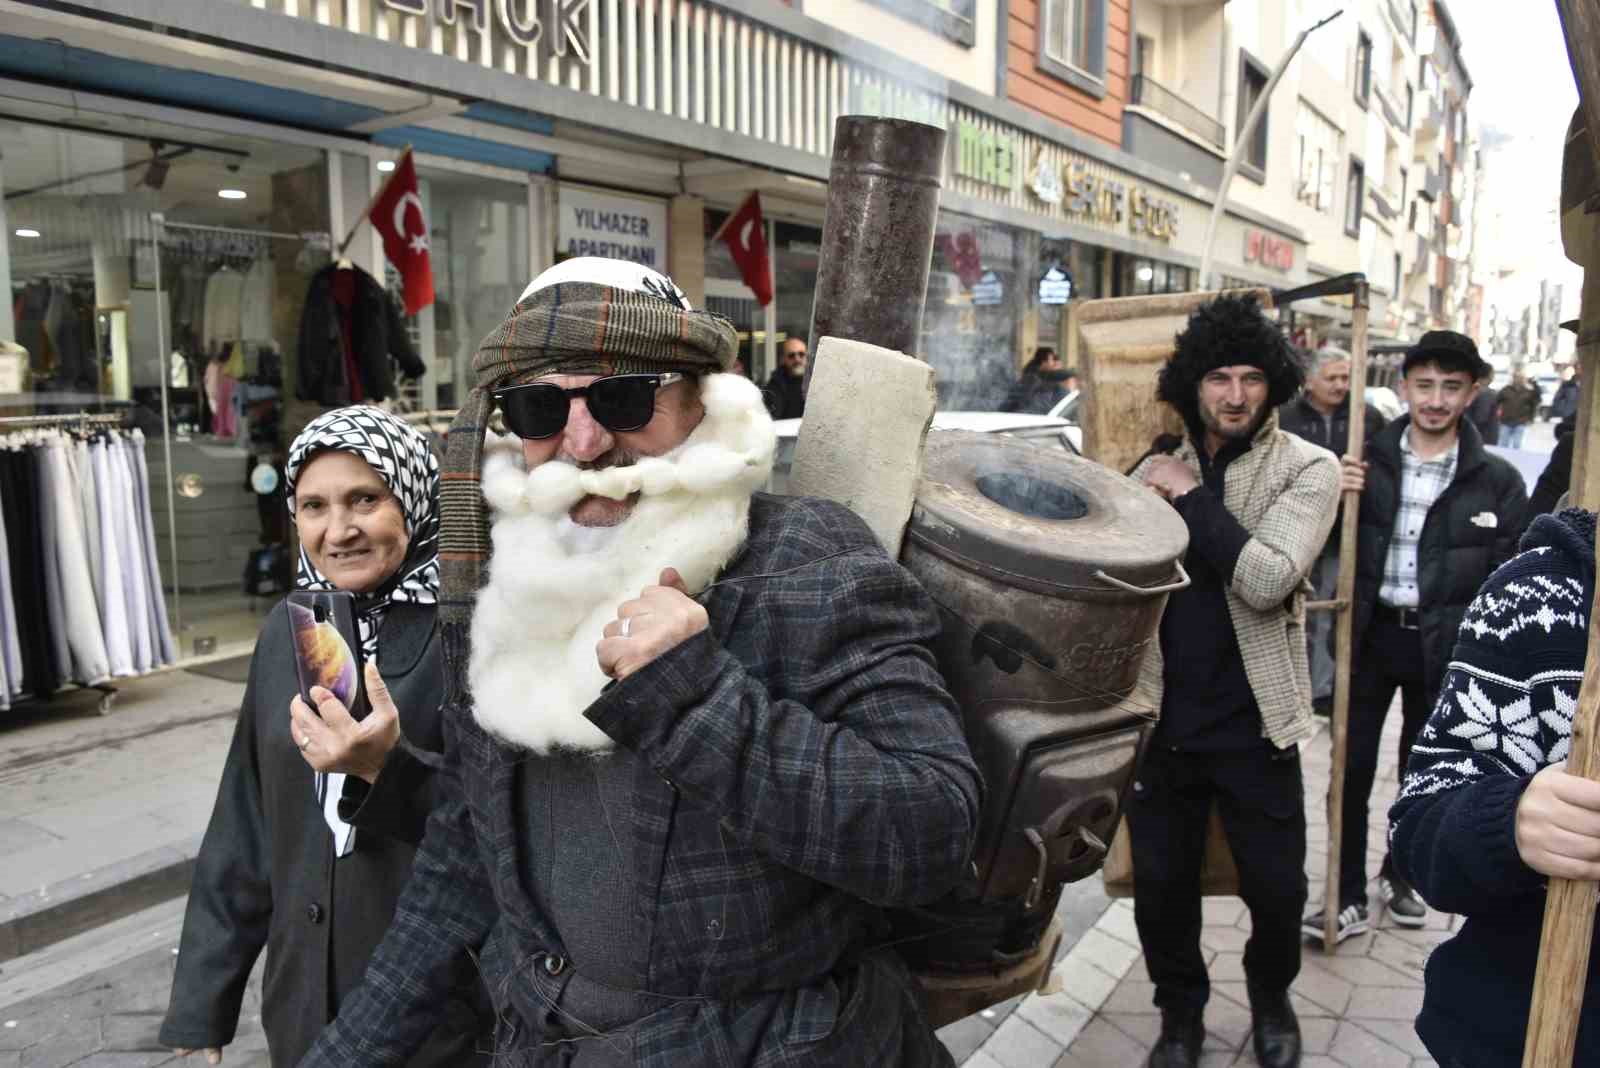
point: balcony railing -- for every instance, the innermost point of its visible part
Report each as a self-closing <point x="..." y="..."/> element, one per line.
<point x="1163" y="101"/>
<point x="1402" y="20"/>
<point x="1431" y="185"/>
<point x="1391" y="110"/>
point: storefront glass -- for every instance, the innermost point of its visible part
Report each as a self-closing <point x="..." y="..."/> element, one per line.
<point x="969" y="326"/>
<point x="161" y="273"/>
<point x="1137" y="276"/>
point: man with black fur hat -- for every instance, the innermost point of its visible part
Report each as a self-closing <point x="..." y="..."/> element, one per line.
<point x="1231" y="668"/>
<point x="1438" y="514"/>
<point x="698" y="737"/>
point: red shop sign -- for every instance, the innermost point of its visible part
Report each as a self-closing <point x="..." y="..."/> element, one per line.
<point x="1269" y="251"/>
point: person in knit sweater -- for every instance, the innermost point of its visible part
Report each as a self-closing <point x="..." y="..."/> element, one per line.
<point x="1487" y="811"/>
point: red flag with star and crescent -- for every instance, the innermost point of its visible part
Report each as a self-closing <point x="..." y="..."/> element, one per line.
<point x="398" y="216"/>
<point x="746" y="236"/>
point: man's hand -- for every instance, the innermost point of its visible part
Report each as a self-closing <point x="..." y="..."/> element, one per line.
<point x="330" y="740"/>
<point x="213" y="1053"/>
<point x="660" y="618"/>
<point x="1558" y="825"/>
<point x="1352" y="474"/>
<point x="1170" y="477"/>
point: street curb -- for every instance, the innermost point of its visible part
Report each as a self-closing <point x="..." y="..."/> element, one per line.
<point x="56" y="912"/>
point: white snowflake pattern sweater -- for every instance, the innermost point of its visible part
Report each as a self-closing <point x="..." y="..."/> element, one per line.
<point x="1505" y="712"/>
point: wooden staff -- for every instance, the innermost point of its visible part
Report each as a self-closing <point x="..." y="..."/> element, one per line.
<point x="1344" y="626"/>
<point x="350" y="235"/>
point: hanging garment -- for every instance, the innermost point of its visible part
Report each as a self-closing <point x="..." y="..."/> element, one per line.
<point x="224" y="289"/>
<point x="39" y="674"/>
<point x="351" y="314"/>
<point x="55" y="599"/>
<point x="255" y="303"/>
<point x="162" y="630"/>
<point x="10" y="652"/>
<point x="188" y="307"/>
<point x="133" y="573"/>
<point x="90" y="663"/>
<point x="114" y="607"/>
<point x="89" y="508"/>
<point x="225" y="418"/>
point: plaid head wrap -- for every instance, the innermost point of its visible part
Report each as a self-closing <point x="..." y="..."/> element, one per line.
<point x="586" y="315"/>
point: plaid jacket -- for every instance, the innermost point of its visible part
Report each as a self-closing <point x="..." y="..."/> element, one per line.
<point x="802" y="767"/>
<point x="1284" y="491"/>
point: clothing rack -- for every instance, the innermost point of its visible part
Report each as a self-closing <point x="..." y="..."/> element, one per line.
<point x="108" y="692"/>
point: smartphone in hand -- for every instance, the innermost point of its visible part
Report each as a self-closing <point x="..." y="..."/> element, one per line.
<point x="327" y="646"/>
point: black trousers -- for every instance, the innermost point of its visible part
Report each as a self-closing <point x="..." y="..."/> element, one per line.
<point x="1390" y="658"/>
<point x="1261" y="797"/>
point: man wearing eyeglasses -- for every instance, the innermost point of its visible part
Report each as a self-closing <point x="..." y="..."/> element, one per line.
<point x="698" y="738"/>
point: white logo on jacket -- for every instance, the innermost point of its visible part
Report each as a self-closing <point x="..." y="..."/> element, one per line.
<point x="1485" y="519"/>
<point x="553" y="586"/>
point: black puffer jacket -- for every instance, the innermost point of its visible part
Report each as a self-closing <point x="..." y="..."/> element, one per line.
<point x="377" y="332"/>
<point x="1456" y="552"/>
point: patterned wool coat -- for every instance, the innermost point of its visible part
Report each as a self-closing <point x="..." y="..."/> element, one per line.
<point x="1284" y="491"/>
<point x="802" y="766"/>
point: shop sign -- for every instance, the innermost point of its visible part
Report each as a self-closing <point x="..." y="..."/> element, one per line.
<point x="1093" y="197"/>
<point x="989" y="291"/>
<point x="620" y="228"/>
<point x="1045" y="181"/>
<point x="1056" y="286"/>
<point x="1153" y="217"/>
<point x="983" y="155"/>
<point x="1268" y="250"/>
<point x="523" y="21"/>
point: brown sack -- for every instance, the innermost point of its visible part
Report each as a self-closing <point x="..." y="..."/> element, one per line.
<point x="1218" y="875"/>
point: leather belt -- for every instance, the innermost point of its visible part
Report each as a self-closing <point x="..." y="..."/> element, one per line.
<point x="1405" y="618"/>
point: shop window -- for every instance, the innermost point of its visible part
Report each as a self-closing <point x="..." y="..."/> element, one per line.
<point x="1139" y="277"/>
<point x="1363" y="80"/>
<point x="1320" y="145"/>
<point x="1253" y="76"/>
<point x="1072" y="43"/>
<point x="1355" y="191"/>
<point x="954" y="20"/>
<point x="978" y="292"/>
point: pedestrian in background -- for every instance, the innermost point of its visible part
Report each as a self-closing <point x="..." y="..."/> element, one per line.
<point x="1484" y="411"/>
<point x="1438" y="514"/>
<point x="1230" y="671"/>
<point x="1564" y="405"/>
<point x="1487" y="811"/>
<point x="1041" y="386"/>
<point x="1321" y="415"/>
<point x="317" y="817"/>
<point x="785" y="392"/>
<point x="1519" y="406"/>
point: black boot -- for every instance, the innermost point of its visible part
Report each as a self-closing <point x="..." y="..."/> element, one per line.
<point x="1275" y="1028"/>
<point x="1182" y="1032"/>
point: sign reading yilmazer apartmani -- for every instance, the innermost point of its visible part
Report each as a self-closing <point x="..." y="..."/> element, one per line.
<point x="524" y="21"/>
<point x="616" y="227"/>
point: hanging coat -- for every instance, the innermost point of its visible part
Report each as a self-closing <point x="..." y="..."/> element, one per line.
<point x="351" y="323"/>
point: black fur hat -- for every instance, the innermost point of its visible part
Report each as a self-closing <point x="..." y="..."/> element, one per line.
<point x="1221" y="333"/>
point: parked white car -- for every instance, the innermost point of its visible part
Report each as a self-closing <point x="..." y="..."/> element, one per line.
<point x="1046" y="431"/>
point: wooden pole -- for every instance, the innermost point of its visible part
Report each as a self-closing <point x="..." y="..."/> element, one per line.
<point x="351" y="233"/>
<point x="1345" y="623"/>
<point x="1568" y="936"/>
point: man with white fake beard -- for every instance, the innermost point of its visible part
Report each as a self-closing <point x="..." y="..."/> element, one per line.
<point x="698" y="737"/>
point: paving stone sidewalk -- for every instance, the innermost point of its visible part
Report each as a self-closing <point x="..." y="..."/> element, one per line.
<point x="1356" y="1007"/>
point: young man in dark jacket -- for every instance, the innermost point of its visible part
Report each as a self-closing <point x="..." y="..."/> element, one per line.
<point x="1321" y="415"/>
<point x="1438" y="514"/>
<point x="1487" y="810"/>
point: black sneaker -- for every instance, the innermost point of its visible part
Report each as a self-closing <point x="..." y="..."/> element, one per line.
<point x="1405" y="907"/>
<point x="1182" y="1033"/>
<point x="1352" y="922"/>
<point x="1274" y="1028"/>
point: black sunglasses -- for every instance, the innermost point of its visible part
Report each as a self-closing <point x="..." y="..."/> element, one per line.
<point x="538" y="410"/>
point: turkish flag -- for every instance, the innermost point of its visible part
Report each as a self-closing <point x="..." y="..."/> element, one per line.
<point x="746" y="237"/>
<point x="397" y="215"/>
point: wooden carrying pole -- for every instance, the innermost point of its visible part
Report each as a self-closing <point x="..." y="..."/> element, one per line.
<point x="1345" y="623"/>
<point x="1567" y="939"/>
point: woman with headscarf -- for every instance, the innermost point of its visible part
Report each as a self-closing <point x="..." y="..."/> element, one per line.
<point x="317" y="816"/>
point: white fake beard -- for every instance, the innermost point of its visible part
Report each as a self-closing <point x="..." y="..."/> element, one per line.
<point x="533" y="669"/>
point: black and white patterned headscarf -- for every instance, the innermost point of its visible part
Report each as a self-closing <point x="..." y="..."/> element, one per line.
<point x="401" y="457"/>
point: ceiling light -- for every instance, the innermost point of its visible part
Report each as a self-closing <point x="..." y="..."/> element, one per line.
<point x="386" y="165"/>
<point x="23" y="231"/>
<point x="232" y="194"/>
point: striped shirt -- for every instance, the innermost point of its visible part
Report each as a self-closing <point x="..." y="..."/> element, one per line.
<point x="1422" y="482"/>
